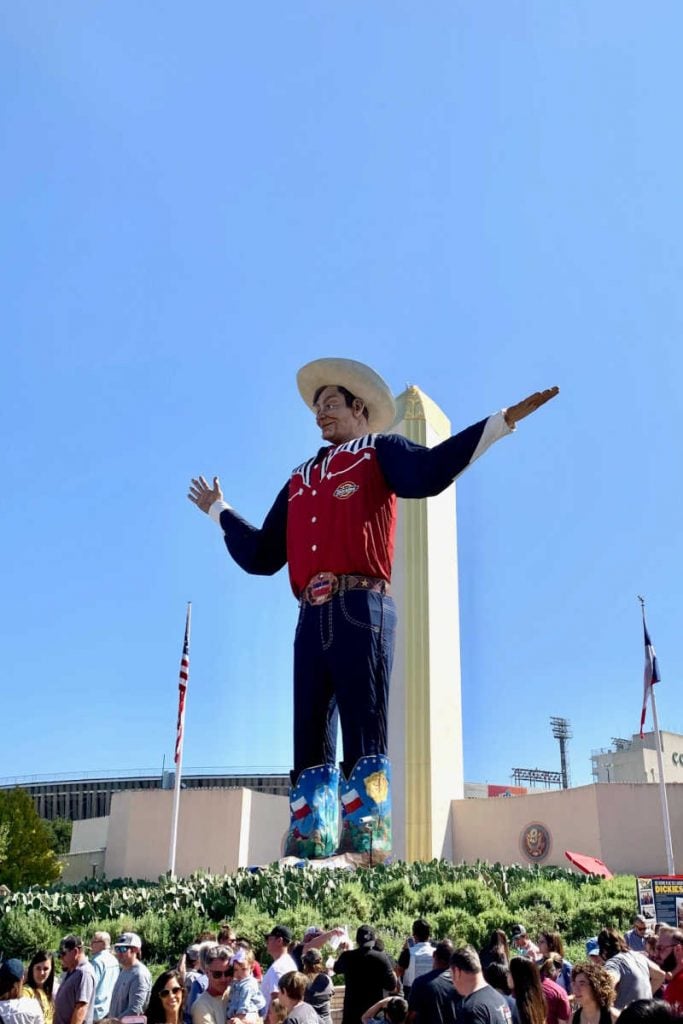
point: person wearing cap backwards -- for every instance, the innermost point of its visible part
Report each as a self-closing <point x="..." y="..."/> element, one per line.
<point x="333" y="524"/>
<point x="16" y="1008"/>
<point x="523" y="944"/>
<point x="75" y="998"/>
<point x="134" y="984"/>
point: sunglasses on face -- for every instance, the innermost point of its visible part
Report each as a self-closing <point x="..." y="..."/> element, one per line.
<point x="170" y="991"/>
<point x="221" y="974"/>
<point x="122" y="949"/>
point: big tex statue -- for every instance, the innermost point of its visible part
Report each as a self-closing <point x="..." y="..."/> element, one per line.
<point x="333" y="524"/>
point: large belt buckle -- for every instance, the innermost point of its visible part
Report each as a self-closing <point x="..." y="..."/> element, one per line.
<point x="322" y="588"/>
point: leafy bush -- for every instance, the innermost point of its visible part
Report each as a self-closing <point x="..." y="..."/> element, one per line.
<point x="22" y="932"/>
<point x="397" y="895"/>
<point x="462" y="901"/>
<point x="349" y="901"/>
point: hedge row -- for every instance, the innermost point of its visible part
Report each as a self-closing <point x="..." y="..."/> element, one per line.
<point x="463" y="902"/>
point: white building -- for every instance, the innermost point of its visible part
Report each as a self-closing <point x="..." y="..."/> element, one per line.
<point x="635" y="760"/>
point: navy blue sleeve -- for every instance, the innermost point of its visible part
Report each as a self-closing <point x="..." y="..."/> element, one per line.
<point x="259" y="552"/>
<point x="413" y="471"/>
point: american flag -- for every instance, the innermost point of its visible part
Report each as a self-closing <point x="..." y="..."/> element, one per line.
<point x="182" y="689"/>
<point x="651" y="674"/>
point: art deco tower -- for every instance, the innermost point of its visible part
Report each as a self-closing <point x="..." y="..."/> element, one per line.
<point x="425" y="719"/>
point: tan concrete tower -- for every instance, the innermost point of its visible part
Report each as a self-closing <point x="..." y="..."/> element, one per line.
<point x="425" y="719"/>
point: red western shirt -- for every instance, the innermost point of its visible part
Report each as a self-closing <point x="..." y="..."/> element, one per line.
<point x="337" y="513"/>
<point x="341" y="515"/>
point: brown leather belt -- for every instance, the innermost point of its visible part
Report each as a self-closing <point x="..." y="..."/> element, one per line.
<point x="324" y="585"/>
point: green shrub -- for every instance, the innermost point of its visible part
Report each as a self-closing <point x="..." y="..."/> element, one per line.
<point x="464" y="902"/>
<point x="23" y="932"/>
<point x="348" y="902"/>
<point x="456" y="924"/>
<point x="396" y="895"/>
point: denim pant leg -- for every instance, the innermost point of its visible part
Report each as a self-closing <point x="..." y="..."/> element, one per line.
<point x="359" y="660"/>
<point x="315" y="709"/>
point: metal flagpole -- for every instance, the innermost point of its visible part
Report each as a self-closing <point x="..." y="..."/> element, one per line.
<point x="660" y="763"/>
<point x="182" y="690"/>
<point x="662" y="791"/>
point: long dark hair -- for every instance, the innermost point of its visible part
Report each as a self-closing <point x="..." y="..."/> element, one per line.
<point x="38" y="958"/>
<point x="528" y="991"/>
<point x="155" y="1011"/>
<point x="496" y="949"/>
<point x="553" y="941"/>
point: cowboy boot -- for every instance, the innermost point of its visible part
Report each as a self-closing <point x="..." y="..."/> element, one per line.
<point x="314" y="814"/>
<point x="366" y="809"/>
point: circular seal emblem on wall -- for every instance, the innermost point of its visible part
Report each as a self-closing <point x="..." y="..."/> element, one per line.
<point x="535" y="841"/>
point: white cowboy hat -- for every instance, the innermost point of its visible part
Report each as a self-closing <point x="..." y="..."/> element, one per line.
<point x="359" y="379"/>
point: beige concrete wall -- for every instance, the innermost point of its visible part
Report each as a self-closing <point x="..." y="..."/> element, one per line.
<point x="490" y="829"/>
<point x="619" y="823"/>
<point x="219" y="830"/>
<point x="632" y="828"/>
<point x="268" y="824"/>
<point x="86" y="864"/>
<point x="89" y="834"/>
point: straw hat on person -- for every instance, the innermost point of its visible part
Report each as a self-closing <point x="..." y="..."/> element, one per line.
<point x="361" y="380"/>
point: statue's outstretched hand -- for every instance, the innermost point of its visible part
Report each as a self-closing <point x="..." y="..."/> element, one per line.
<point x="204" y="496"/>
<point x="528" y="405"/>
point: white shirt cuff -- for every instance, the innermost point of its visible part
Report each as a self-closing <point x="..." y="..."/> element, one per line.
<point x="495" y="428"/>
<point x="216" y="509"/>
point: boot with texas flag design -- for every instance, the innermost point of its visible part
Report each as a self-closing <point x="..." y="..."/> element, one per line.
<point x="366" y="809"/>
<point x="314" y="813"/>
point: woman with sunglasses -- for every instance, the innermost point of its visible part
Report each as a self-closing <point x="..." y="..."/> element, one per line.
<point x="166" y="1000"/>
<point x="40" y="980"/>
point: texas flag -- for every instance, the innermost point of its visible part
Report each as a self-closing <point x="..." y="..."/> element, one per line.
<point x="300" y="808"/>
<point x="651" y="674"/>
<point x="351" y="801"/>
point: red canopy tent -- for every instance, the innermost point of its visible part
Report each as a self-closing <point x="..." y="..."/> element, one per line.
<point x="589" y="865"/>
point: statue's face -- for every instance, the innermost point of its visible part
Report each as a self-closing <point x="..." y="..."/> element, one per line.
<point x="337" y="421"/>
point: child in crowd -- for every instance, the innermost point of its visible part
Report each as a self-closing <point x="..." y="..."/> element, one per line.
<point x="246" y="999"/>
<point x="277" y="1012"/>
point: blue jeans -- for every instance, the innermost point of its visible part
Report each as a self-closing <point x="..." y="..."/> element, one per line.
<point x="343" y="653"/>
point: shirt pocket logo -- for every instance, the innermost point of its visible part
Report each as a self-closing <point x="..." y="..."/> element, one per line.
<point x="345" y="490"/>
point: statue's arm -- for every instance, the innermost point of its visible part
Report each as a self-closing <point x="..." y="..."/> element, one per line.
<point x="261" y="552"/>
<point x="413" y="471"/>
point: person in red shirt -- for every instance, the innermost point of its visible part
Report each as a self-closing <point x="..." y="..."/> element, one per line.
<point x="333" y="524"/>
<point x="670" y="949"/>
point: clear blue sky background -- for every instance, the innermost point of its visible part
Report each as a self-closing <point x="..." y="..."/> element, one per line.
<point x="479" y="198"/>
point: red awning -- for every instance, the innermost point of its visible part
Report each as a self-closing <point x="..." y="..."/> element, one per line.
<point x="589" y="865"/>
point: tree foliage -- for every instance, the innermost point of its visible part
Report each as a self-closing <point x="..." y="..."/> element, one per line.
<point x="26" y="856"/>
<point x="60" y="830"/>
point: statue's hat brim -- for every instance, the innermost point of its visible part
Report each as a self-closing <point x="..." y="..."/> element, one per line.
<point x="361" y="380"/>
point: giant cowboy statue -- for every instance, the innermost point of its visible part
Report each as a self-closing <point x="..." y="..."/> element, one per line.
<point x="333" y="523"/>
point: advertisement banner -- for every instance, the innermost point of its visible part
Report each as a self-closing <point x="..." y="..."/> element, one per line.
<point x="660" y="899"/>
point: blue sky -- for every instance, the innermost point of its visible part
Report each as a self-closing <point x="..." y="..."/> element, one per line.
<point x="479" y="198"/>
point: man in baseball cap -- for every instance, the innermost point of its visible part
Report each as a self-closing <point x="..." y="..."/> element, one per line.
<point x="278" y="940"/>
<point x="75" y="998"/>
<point x="333" y="524"/>
<point x="134" y="984"/>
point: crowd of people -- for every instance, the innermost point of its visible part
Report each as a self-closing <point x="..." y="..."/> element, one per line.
<point x="218" y="980"/>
